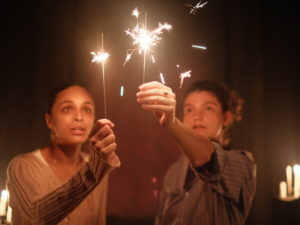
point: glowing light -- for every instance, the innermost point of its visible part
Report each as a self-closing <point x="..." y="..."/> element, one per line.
<point x="122" y="91"/>
<point x="296" y="169"/>
<point x="183" y="76"/>
<point x="101" y="57"/>
<point x="196" y="7"/>
<point x="3" y="202"/>
<point x="177" y="65"/>
<point x="153" y="59"/>
<point x="153" y="180"/>
<point x="155" y="193"/>
<point x="144" y="39"/>
<point x="136" y="13"/>
<point x="162" y="78"/>
<point x="199" y="47"/>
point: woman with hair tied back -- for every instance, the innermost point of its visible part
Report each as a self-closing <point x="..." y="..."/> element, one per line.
<point x="61" y="183"/>
<point x="207" y="185"/>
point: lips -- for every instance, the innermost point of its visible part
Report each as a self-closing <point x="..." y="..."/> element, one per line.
<point x="78" y="130"/>
<point x="199" y="127"/>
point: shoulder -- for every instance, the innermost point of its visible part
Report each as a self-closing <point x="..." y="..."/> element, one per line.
<point x="234" y="160"/>
<point x="234" y="154"/>
<point x="24" y="161"/>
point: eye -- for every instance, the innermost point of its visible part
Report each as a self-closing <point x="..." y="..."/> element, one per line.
<point x="67" y="109"/>
<point x="87" y="109"/>
<point x="188" y="110"/>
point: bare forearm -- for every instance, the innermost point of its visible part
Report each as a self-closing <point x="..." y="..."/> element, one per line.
<point x="196" y="147"/>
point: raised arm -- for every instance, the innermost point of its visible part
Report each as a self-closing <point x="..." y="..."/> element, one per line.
<point x="160" y="99"/>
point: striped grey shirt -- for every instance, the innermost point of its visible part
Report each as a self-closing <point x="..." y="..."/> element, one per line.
<point x="38" y="197"/>
<point x="219" y="193"/>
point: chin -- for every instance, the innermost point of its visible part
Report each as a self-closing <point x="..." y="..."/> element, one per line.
<point x="75" y="141"/>
<point x="200" y="131"/>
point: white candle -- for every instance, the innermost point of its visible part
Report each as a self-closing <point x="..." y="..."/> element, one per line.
<point x="282" y="189"/>
<point x="9" y="212"/>
<point x="296" y="169"/>
<point x="289" y="177"/>
<point x="3" y="202"/>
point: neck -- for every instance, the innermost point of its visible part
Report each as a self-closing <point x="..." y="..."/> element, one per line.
<point x="64" y="153"/>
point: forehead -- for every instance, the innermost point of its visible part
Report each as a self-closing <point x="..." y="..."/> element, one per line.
<point x="73" y="94"/>
<point x="201" y="97"/>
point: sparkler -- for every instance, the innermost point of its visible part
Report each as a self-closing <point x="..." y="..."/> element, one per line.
<point x="100" y="58"/>
<point x="144" y="39"/>
<point x="135" y="13"/>
<point x="183" y="76"/>
<point x="122" y="91"/>
<point x="162" y="78"/>
<point x="196" y="7"/>
<point x="199" y="47"/>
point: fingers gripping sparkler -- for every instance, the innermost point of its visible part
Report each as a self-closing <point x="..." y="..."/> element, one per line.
<point x="101" y="57"/>
<point x="144" y="39"/>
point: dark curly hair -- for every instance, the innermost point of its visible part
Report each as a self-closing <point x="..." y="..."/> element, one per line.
<point x="228" y="99"/>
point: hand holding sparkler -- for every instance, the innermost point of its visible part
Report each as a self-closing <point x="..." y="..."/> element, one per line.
<point x="102" y="139"/>
<point x="160" y="99"/>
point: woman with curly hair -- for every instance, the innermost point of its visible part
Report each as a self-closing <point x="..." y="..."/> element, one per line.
<point x="207" y="185"/>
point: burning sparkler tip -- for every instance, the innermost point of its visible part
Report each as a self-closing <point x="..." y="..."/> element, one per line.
<point x="136" y="13"/>
<point x="144" y="38"/>
<point x="183" y="76"/>
<point x="196" y="7"/>
<point x="99" y="57"/>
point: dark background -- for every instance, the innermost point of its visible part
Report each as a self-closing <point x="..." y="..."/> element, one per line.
<point x="253" y="46"/>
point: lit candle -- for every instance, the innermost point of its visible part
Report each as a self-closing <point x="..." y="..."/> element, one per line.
<point x="9" y="212"/>
<point x="282" y="189"/>
<point x="289" y="176"/>
<point x="296" y="181"/>
<point x="3" y="202"/>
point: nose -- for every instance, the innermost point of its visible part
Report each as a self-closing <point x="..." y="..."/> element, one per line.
<point x="78" y="116"/>
<point x="198" y="115"/>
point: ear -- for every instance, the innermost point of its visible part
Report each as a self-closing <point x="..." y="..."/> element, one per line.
<point x="228" y="119"/>
<point x="49" y="121"/>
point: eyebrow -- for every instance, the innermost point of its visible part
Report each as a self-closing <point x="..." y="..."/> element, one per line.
<point x="205" y="103"/>
<point x="210" y="102"/>
<point x="68" y="101"/>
